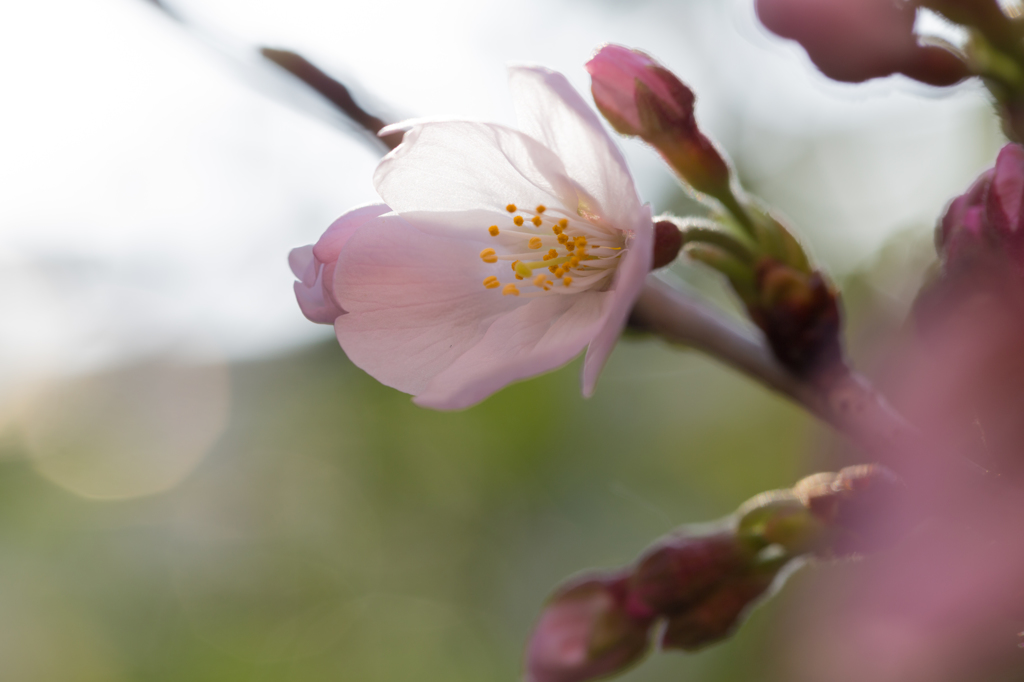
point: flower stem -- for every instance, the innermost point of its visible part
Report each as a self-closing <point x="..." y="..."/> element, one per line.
<point x="842" y="398"/>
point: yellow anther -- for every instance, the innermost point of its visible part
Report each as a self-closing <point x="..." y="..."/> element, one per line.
<point x="536" y="220"/>
<point x="489" y="256"/>
<point x="510" y="290"/>
<point x="518" y="220"/>
<point x="563" y="223"/>
<point x="559" y="272"/>
<point x="570" y="246"/>
<point x="492" y="282"/>
<point x="545" y="257"/>
<point x="563" y="238"/>
<point x="522" y="270"/>
<point x="567" y="281"/>
<point x="493" y="229"/>
<point x="541" y="208"/>
<point x="581" y="240"/>
<point x="539" y="280"/>
<point x="574" y="261"/>
<point x="552" y="254"/>
<point x="557" y="229"/>
<point x="534" y="243"/>
<point x="553" y="268"/>
<point x="519" y="277"/>
<point x="511" y="208"/>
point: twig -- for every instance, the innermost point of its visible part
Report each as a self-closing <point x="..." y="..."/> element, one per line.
<point x="335" y="93"/>
<point x="843" y="398"/>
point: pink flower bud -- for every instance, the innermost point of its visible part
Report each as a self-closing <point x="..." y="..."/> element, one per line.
<point x="588" y="630"/>
<point x="717" y="615"/>
<point x="617" y="72"/>
<point x="856" y="40"/>
<point x="985" y="225"/>
<point x="679" y="571"/>
<point x="640" y="97"/>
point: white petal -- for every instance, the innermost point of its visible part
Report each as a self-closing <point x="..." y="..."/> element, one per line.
<point x="415" y="302"/>
<point x="456" y="177"/>
<point x="530" y="340"/>
<point x="551" y="111"/>
<point x="629" y="281"/>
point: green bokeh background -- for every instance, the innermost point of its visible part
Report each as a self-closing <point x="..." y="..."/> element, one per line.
<point x="336" y="531"/>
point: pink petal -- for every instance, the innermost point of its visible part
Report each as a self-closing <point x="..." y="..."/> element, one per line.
<point x="330" y="243"/>
<point x="420" y="320"/>
<point x="535" y="338"/>
<point x="415" y="302"/>
<point x="314" y="302"/>
<point x="303" y="264"/>
<point x="551" y="111"/>
<point x="456" y="177"/>
<point x="629" y="281"/>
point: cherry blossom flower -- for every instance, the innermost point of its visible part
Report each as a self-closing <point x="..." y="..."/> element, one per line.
<point x="498" y="254"/>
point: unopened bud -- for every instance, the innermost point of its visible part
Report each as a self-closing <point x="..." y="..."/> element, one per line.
<point x="668" y="240"/>
<point x="779" y="517"/>
<point x="853" y="506"/>
<point x="640" y="97"/>
<point x="679" y="571"/>
<point x="717" y="615"/>
<point x="588" y="630"/>
<point x="799" y="314"/>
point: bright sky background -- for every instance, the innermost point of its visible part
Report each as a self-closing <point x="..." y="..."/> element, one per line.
<point x="152" y="181"/>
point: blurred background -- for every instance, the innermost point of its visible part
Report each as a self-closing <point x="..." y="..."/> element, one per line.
<point x="195" y="484"/>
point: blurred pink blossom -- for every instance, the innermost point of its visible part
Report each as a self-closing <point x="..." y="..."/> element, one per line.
<point x="498" y="254"/>
<point x="856" y="40"/>
<point x="985" y="225"/>
<point x="589" y="629"/>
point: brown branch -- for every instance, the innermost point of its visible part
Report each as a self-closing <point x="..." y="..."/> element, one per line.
<point x="844" y="399"/>
<point x="333" y="91"/>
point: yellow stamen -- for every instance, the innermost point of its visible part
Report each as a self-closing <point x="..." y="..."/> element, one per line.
<point x="574" y="261"/>
<point x="534" y="243"/>
<point x="570" y="246"/>
<point x="519" y="277"/>
<point x="493" y="229"/>
<point x="492" y="282"/>
<point x="581" y="241"/>
<point x="539" y="280"/>
<point x="541" y="208"/>
<point x="510" y="290"/>
<point x="511" y="208"/>
<point x="563" y="223"/>
<point x="518" y="220"/>
<point x="567" y="281"/>
<point x="559" y="272"/>
<point x="553" y="268"/>
<point x="536" y="220"/>
<point x="552" y="254"/>
<point x="562" y="238"/>
<point x="489" y="256"/>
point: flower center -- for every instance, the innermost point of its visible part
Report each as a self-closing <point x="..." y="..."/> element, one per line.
<point x="551" y="251"/>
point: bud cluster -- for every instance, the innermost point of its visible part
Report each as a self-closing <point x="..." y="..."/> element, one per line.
<point x="699" y="585"/>
<point x="792" y="303"/>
